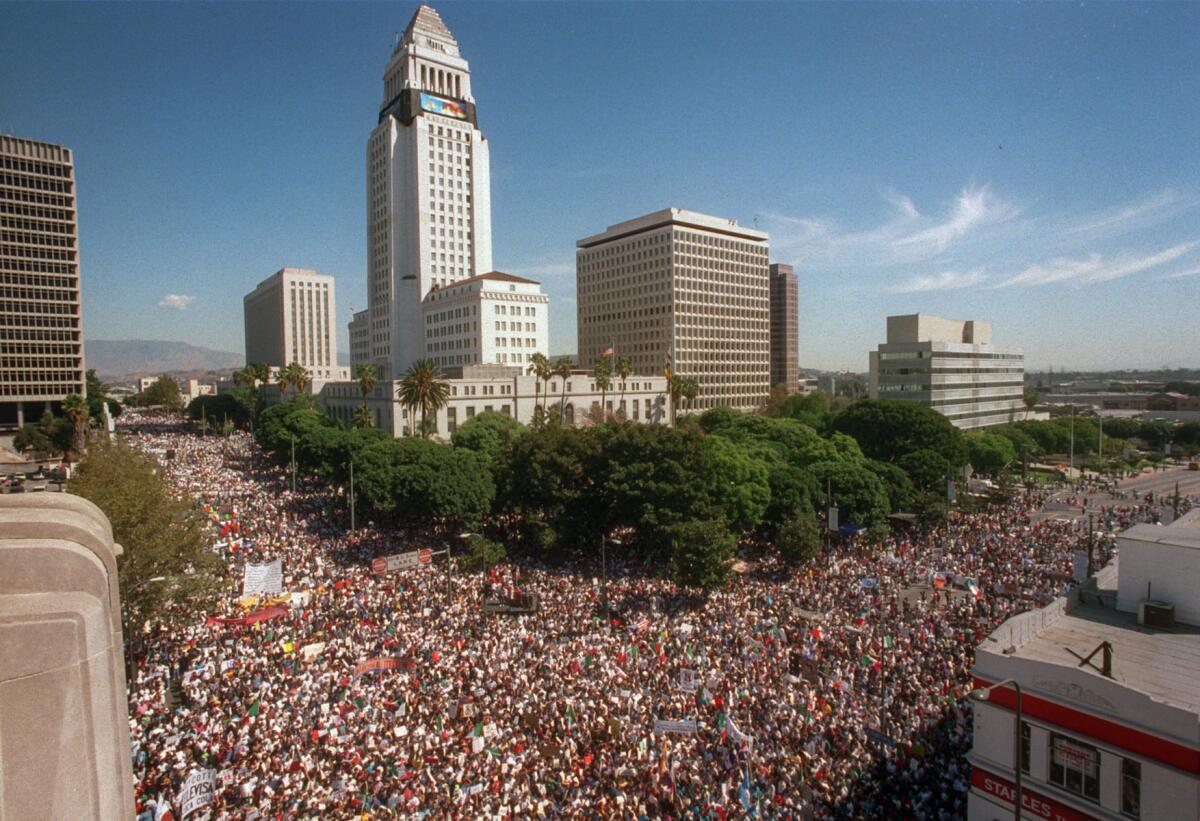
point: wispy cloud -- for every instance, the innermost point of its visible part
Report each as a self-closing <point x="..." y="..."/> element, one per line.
<point x="176" y="302"/>
<point x="906" y="236"/>
<point x="974" y="208"/>
<point x="1093" y="268"/>
<point x="945" y="281"/>
<point x="1146" y="211"/>
<point x="1190" y="272"/>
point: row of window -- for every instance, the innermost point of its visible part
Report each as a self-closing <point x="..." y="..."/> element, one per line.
<point x="13" y="195"/>
<point x="35" y="253"/>
<point x="62" y="215"/>
<point x="35" y="167"/>
<point x="35" y="183"/>
<point x="37" y="225"/>
<point x="888" y="355"/>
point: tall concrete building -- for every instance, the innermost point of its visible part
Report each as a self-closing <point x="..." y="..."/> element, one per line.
<point x="952" y="366"/>
<point x="785" y="340"/>
<point x="429" y="219"/>
<point x="680" y="287"/>
<point x="41" y="321"/>
<point x="289" y="318"/>
<point x="494" y="318"/>
<point x="360" y="339"/>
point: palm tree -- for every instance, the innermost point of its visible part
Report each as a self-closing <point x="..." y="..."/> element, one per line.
<point x="243" y="377"/>
<point x="423" y="387"/>
<point x="624" y="368"/>
<point x="539" y="365"/>
<point x="283" y="377"/>
<point x="300" y="378"/>
<point x="75" y="408"/>
<point x="1030" y="398"/>
<point x="603" y="373"/>
<point x="689" y="390"/>
<point x="259" y="372"/>
<point x="675" y="389"/>
<point x="363" y="418"/>
<point x="366" y="378"/>
<point x="563" y="371"/>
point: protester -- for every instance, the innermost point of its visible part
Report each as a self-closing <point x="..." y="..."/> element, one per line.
<point x="833" y="691"/>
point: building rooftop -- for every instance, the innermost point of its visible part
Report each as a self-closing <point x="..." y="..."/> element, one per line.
<point x="496" y="276"/>
<point x="673" y="216"/>
<point x="1163" y="664"/>
<point x="1183" y="532"/>
<point x="427" y="21"/>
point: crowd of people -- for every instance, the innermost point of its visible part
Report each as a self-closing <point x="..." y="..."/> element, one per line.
<point x="832" y="690"/>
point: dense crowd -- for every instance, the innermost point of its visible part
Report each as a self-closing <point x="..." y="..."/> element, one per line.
<point x="833" y="691"/>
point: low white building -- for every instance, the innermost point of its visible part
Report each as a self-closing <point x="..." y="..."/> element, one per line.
<point x="494" y="318"/>
<point x="1115" y="737"/>
<point x="508" y="390"/>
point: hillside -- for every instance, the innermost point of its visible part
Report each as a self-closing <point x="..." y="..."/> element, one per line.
<point x="133" y="357"/>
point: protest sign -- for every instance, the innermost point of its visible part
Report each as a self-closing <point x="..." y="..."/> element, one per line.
<point x="662" y="726"/>
<point x="264" y="579"/>
<point x="197" y="792"/>
<point x="688" y="680"/>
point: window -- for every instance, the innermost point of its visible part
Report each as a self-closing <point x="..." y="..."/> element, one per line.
<point x="1075" y="767"/>
<point x="1131" y="788"/>
<point x="1025" y="747"/>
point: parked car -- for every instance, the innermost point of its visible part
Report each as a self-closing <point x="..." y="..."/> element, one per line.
<point x="38" y="475"/>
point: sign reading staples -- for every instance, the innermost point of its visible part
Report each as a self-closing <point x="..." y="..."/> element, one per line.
<point x="263" y="579"/>
<point x="447" y="108"/>
<point x="662" y="727"/>
<point x="197" y="792"/>
<point x="402" y="561"/>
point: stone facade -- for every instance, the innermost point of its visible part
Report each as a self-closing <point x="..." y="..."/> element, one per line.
<point x="64" y="722"/>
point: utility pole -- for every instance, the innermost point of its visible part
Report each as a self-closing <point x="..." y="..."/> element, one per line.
<point x="1091" y="567"/>
<point x="1175" y="501"/>
<point x="604" y="579"/>
<point x="293" y="463"/>
<point x="1100" y="443"/>
<point x="1071" y="463"/>
<point x="351" y="495"/>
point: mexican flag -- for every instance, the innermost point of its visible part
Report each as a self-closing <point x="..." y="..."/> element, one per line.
<point x="255" y="707"/>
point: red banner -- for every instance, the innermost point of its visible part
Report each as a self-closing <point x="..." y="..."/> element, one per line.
<point x="374" y="665"/>
<point x="266" y="614"/>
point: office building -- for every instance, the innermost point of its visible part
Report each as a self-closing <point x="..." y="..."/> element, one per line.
<point x="493" y="318"/>
<point x="1110" y="707"/>
<point x="952" y="366"/>
<point x="41" y="321"/>
<point x="685" y="288"/>
<point x="360" y="339"/>
<point x="785" y="340"/>
<point x="510" y="390"/>
<point x="428" y="192"/>
<point x="289" y="318"/>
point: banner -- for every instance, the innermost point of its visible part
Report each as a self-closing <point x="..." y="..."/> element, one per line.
<point x="402" y="561"/>
<point x="380" y="664"/>
<point x="833" y="518"/>
<point x="311" y="651"/>
<point x="263" y="579"/>
<point x="688" y="680"/>
<point x="266" y="614"/>
<point x="662" y="726"/>
<point x="737" y="736"/>
<point x="197" y="792"/>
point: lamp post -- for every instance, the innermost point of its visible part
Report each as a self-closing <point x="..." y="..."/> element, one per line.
<point x="464" y="537"/>
<point x="984" y="694"/>
<point x="293" y="463"/>
<point x="351" y="495"/>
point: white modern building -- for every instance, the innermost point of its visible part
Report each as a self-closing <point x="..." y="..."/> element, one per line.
<point x="1110" y="693"/>
<point x="41" y="316"/>
<point x="289" y="318"/>
<point x="493" y="318"/>
<point x="682" y="288"/>
<point x="360" y="339"/>
<point x="510" y="390"/>
<point x="428" y="191"/>
<point x="952" y="366"/>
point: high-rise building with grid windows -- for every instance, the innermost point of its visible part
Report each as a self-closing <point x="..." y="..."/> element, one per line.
<point x="429" y="221"/>
<point x="41" y="322"/>
<point x="681" y="288"/>
<point x="785" y="343"/>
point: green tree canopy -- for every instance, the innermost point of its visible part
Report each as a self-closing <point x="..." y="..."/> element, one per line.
<point x="800" y="537"/>
<point x="887" y="430"/>
<point x="742" y="483"/>
<point x="857" y="492"/>
<point x="489" y="434"/>
<point x="700" y="553"/>
<point x="990" y="452"/>
<point x="164" y="559"/>
<point x="927" y="469"/>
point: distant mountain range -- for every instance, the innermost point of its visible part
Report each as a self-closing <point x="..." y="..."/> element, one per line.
<point x="150" y="357"/>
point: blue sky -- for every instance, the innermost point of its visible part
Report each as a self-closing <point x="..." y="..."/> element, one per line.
<point x="1036" y="165"/>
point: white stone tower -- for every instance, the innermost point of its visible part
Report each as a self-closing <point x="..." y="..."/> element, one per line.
<point x="429" y="219"/>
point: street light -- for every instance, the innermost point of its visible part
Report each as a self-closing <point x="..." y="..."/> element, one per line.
<point x="984" y="694"/>
<point x="464" y="537"/>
